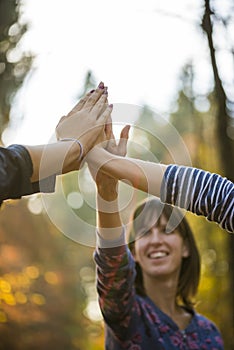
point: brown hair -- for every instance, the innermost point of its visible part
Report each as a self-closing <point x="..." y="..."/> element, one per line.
<point x="145" y="216"/>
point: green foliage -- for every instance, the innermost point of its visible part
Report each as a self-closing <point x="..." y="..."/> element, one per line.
<point x="14" y="64"/>
<point x="89" y="84"/>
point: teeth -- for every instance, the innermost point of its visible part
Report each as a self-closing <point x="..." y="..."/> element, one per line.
<point x="157" y="255"/>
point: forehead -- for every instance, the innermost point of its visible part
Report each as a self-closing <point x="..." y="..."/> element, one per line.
<point x="149" y="222"/>
<point x="162" y="221"/>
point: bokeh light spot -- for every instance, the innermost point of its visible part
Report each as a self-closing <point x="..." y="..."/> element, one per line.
<point x="35" y="205"/>
<point x="32" y="272"/>
<point x="3" y="317"/>
<point x="37" y="299"/>
<point x="5" y="286"/>
<point x="20" y="298"/>
<point x="51" y="277"/>
<point x="75" y="200"/>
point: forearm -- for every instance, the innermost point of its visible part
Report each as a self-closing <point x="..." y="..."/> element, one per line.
<point x="115" y="286"/>
<point x="109" y="223"/>
<point x="55" y="158"/>
<point x="145" y="176"/>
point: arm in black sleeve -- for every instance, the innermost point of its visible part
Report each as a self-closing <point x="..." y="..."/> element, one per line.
<point x="16" y="169"/>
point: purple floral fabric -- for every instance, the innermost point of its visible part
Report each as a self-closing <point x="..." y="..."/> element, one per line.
<point x="134" y="322"/>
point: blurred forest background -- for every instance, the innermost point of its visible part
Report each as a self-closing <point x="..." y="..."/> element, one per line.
<point x="47" y="281"/>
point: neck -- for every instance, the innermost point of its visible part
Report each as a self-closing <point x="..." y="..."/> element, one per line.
<point x="162" y="293"/>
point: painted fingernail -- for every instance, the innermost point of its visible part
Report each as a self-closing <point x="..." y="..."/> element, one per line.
<point x="111" y="105"/>
<point x="105" y="90"/>
<point x="101" y="85"/>
<point x="91" y="91"/>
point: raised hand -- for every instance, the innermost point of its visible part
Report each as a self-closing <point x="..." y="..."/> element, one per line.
<point x="86" y="120"/>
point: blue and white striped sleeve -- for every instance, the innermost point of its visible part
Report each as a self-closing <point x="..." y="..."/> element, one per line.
<point x="200" y="192"/>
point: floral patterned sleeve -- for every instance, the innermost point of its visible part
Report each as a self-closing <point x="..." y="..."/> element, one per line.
<point x="115" y="281"/>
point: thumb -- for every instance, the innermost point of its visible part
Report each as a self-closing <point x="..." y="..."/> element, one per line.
<point x="125" y="132"/>
<point x="122" y="146"/>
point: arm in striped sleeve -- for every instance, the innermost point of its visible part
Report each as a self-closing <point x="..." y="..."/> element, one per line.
<point x="200" y="192"/>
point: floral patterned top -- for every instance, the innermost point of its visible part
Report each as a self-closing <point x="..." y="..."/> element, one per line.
<point x="134" y="322"/>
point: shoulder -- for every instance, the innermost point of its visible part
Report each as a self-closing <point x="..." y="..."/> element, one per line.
<point x="209" y="332"/>
<point x="206" y="323"/>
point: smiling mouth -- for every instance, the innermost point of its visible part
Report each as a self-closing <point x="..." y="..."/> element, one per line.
<point x="157" y="255"/>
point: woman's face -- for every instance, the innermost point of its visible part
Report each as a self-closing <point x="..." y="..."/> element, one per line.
<point x="159" y="253"/>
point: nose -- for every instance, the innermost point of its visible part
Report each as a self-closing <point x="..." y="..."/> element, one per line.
<point x="156" y="236"/>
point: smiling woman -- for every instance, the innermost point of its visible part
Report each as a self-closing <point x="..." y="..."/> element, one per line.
<point x="146" y="292"/>
<point x="170" y="248"/>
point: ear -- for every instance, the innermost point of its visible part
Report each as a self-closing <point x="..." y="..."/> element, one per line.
<point x="185" y="250"/>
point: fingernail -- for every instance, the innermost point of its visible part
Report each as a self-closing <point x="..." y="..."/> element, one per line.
<point x="101" y="85"/>
<point x="111" y="105"/>
<point x="91" y="91"/>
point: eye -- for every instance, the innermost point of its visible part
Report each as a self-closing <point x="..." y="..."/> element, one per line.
<point x="143" y="233"/>
<point x="167" y="230"/>
<point x="146" y="233"/>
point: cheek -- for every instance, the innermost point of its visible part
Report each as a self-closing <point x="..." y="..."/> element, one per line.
<point x="137" y="251"/>
<point x="140" y="248"/>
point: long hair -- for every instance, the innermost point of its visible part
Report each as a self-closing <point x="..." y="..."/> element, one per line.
<point x="145" y="216"/>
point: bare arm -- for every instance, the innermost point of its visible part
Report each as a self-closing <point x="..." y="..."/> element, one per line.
<point x="108" y="218"/>
<point x="195" y="190"/>
<point x="142" y="175"/>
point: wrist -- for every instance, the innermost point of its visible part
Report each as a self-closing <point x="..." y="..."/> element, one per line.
<point x="79" y="149"/>
<point x="107" y="204"/>
<point x="70" y="153"/>
<point x="108" y="193"/>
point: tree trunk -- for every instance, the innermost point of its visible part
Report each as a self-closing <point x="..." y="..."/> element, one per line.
<point x="226" y="147"/>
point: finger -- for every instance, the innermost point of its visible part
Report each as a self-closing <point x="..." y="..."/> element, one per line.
<point x="102" y="120"/>
<point x="122" y="146"/>
<point x="58" y="125"/>
<point x="95" y="96"/>
<point x="81" y="103"/>
<point x="112" y="141"/>
<point x="111" y="144"/>
<point x="108" y="128"/>
<point x="125" y="132"/>
<point x="100" y="106"/>
<point x="61" y="119"/>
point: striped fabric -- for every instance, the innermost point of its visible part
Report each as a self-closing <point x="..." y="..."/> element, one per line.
<point x="200" y="192"/>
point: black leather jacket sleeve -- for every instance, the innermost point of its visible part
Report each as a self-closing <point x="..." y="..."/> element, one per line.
<point x="16" y="169"/>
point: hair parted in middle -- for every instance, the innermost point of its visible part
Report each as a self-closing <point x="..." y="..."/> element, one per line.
<point x="147" y="215"/>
